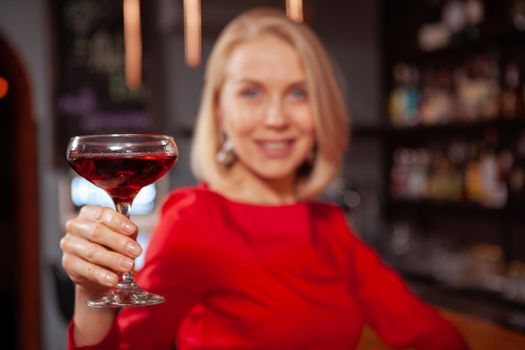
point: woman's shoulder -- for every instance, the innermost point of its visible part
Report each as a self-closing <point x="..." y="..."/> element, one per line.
<point x="185" y="209"/>
<point x="188" y="198"/>
<point x="327" y="210"/>
<point x="184" y="222"/>
<point x="332" y="218"/>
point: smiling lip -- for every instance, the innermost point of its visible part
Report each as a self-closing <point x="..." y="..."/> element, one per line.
<point x="275" y="149"/>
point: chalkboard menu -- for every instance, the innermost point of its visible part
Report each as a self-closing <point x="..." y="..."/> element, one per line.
<point x="91" y="96"/>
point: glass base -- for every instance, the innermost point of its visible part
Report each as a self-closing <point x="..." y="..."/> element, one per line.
<point x="122" y="297"/>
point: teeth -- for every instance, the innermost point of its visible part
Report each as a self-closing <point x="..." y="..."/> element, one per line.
<point x="275" y="145"/>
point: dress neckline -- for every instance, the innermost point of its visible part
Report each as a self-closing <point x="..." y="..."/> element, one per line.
<point x="234" y="202"/>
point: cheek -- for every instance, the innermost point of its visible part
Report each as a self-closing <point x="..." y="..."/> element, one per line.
<point x="304" y="120"/>
<point x="307" y="129"/>
<point x="233" y="118"/>
<point x="237" y="120"/>
<point x="236" y="123"/>
<point x="310" y="140"/>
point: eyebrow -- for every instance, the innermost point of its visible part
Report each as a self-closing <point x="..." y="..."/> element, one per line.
<point x="257" y="82"/>
<point x="247" y="81"/>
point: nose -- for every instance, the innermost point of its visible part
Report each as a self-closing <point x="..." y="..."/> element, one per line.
<point x="276" y="115"/>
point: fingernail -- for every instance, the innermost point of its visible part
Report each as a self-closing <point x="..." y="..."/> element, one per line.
<point x="126" y="263"/>
<point x="110" y="279"/>
<point x="129" y="228"/>
<point x="133" y="249"/>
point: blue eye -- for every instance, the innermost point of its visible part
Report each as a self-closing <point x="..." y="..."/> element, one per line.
<point x="249" y="93"/>
<point x="298" y="93"/>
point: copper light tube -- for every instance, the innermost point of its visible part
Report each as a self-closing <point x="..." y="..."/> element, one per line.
<point x="132" y="44"/>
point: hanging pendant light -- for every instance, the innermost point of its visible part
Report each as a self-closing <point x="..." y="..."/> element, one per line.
<point x="294" y="10"/>
<point x="132" y="44"/>
<point x="192" y="32"/>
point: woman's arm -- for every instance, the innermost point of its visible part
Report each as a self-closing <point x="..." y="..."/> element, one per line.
<point x="398" y="316"/>
<point x="174" y="268"/>
<point x="90" y="325"/>
<point x="97" y="245"/>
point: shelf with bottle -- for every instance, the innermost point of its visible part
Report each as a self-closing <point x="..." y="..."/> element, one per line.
<point x="449" y="29"/>
<point x="458" y="51"/>
<point x="482" y="89"/>
<point x="459" y="271"/>
<point x="465" y="264"/>
<point x="455" y="143"/>
<point x="487" y="174"/>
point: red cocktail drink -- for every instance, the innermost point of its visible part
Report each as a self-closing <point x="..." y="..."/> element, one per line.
<point x="122" y="176"/>
<point x="122" y="164"/>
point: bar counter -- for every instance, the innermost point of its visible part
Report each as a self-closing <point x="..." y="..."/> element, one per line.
<point x="479" y="334"/>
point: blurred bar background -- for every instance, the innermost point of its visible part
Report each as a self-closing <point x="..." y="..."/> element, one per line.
<point x="434" y="178"/>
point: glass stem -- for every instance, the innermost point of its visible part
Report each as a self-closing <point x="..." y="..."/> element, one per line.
<point x="126" y="279"/>
<point x="124" y="208"/>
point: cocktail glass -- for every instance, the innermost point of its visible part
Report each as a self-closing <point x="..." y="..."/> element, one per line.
<point x="122" y="164"/>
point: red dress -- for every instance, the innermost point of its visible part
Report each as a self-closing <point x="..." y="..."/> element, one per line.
<point x="244" y="276"/>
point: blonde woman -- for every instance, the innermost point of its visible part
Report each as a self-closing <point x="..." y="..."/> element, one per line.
<point x="248" y="259"/>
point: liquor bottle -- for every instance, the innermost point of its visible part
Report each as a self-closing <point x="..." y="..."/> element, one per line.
<point x="489" y="81"/>
<point x="493" y="191"/>
<point x="517" y="14"/>
<point x="477" y="88"/>
<point x="505" y="167"/>
<point x="437" y="101"/>
<point x="457" y="153"/>
<point x="404" y="98"/>
<point x="475" y="14"/>
<point x="516" y="183"/>
<point x="417" y="180"/>
<point x="473" y="180"/>
<point x="399" y="173"/>
<point x="440" y="175"/>
<point x="454" y="17"/>
<point x="434" y="32"/>
<point x="511" y="98"/>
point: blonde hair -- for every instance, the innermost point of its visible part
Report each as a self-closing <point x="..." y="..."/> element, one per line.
<point x="332" y="125"/>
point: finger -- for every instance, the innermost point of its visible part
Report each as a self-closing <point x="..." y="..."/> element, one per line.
<point x="101" y="234"/>
<point x="83" y="272"/>
<point x="110" y="218"/>
<point x="96" y="254"/>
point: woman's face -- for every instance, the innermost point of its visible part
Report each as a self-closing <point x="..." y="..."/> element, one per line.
<point x="265" y="110"/>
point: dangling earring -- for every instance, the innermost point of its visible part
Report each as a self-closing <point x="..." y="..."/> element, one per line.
<point x="226" y="156"/>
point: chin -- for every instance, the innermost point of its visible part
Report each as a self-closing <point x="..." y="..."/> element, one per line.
<point x="275" y="173"/>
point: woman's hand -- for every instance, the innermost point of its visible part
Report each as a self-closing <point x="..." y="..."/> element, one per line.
<point x="98" y="244"/>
